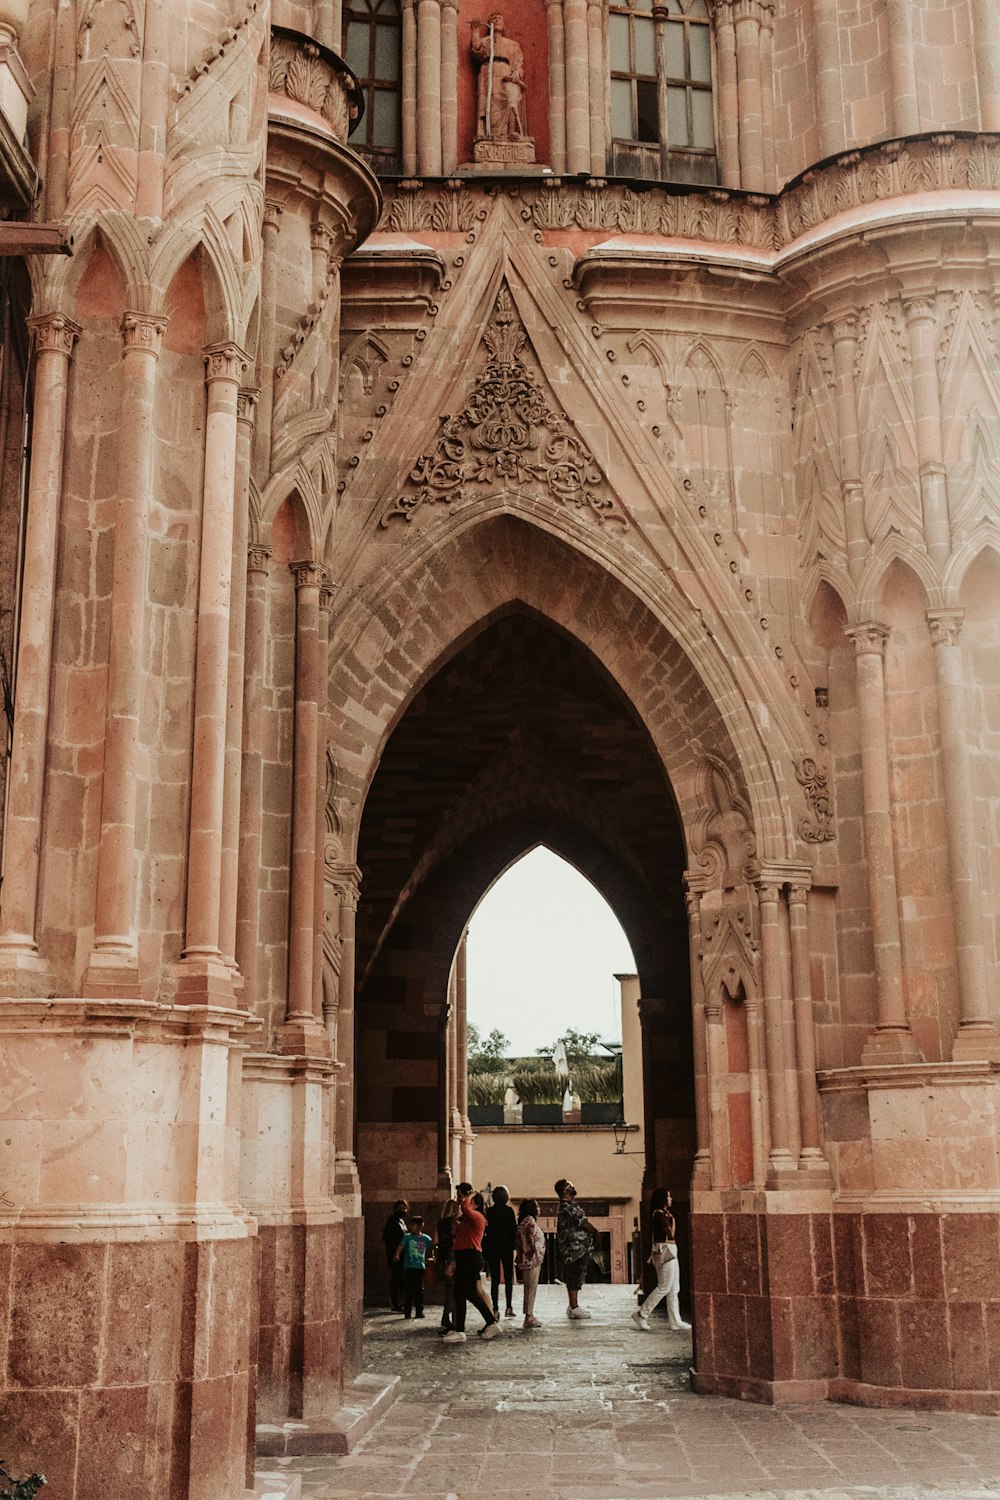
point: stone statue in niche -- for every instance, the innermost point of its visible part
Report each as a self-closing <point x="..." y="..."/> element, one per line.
<point x="501" y="136"/>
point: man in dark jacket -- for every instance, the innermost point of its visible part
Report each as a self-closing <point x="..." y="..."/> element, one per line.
<point x="392" y="1238"/>
<point x="498" y="1245"/>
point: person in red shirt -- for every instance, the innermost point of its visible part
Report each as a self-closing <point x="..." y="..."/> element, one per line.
<point x="468" y="1269"/>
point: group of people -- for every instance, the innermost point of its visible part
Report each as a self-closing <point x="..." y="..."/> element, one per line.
<point x="473" y="1240"/>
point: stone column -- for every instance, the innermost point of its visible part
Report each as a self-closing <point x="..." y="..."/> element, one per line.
<point x="829" y="86"/>
<point x="905" y="111"/>
<point x="462" y="1055"/>
<point x="326" y="597"/>
<point x="299" y="1017"/>
<point x="20" y="966"/>
<point x="245" y="408"/>
<point x="716" y="1068"/>
<point x="429" y="88"/>
<point x="449" y="85"/>
<point x="251" y="773"/>
<point x="157" y="98"/>
<point x="114" y="963"/>
<point x="557" y="84"/>
<point x="577" y="86"/>
<point x="977" y="1031"/>
<point x="408" y="103"/>
<point x="454" y="1117"/>
<point x="347" y="1183"/>
<point x="844" y="335"/>
<point x="202" y="974"/>
<point x="811" y="1157"/>
<point x="703" y="1125"/>
<point x="891" y="1041"/>
<point x="767" y="98"/>
<point x="650" y="1011"/>
<point x="596" y="89"/>
<point x="266" y="344"/>
<point x="987" y="54"/>
<point x="326" y="23"/>
<point x="444" y="1113"/>
<point x="758" y="1089"/>
<point x="921" y="324"/>
<point x="781" y="1163"/>
<point x="746" y="14"/>
<point x="727" y="90"/>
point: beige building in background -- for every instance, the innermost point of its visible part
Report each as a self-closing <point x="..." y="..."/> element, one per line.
<point x="383" y="494"/>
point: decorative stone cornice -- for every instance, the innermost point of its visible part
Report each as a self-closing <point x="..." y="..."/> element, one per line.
<point x="143" y="331"/>
<point x="814" y="779"/>
<point x="945" y="626"/>
<point x="225" y="362"/>
<point x="869" y="637"/>
<point x="308" y="574"/>
<point x="54" y="333"/>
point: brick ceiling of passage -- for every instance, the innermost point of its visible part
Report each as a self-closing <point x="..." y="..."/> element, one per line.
<point x="521" y="726"/>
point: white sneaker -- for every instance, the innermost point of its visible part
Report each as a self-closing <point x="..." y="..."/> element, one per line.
<point x="454" y="1337"/>
<point x="490" y="1331"/>
<point x="640" y="1321"/>
<point x="679" y="1327"/>
<point x="577" y="1312"/>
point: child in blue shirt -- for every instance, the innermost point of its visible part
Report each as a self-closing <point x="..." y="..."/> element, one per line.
<point x="413" y="1251"/>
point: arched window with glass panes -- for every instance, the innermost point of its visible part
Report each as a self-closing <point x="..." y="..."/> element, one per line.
<point x="661" y="90"/>
<point x="372" y="52"/>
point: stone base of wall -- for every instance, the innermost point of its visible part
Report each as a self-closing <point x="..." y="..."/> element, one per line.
<point x="882" y="1309"/>
<point x="303" y="1298"/>
<point x="127" y="1366"/>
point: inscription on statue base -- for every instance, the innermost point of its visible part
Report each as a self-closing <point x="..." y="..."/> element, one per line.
<point x="487" y="151"/>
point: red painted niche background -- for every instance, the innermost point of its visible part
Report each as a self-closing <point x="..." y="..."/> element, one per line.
<point x="525" y="22"/>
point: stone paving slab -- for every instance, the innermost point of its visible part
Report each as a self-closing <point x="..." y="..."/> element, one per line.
<point x="598" y="1410"/>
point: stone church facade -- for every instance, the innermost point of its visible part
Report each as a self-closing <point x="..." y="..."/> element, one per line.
<point x="452" y="433"/>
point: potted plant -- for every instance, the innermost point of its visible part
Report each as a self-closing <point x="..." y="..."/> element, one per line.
<point x="599" y="1085"/>
<point x="540" y="1091"/>
<point x="486" y="1098"/>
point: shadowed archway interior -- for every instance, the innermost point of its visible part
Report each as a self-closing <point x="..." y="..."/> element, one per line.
<point x="520" y="738"/>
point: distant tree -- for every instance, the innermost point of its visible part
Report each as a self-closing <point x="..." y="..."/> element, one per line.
<point x="581" y="1046"/>
<point x="487" y="1054"/>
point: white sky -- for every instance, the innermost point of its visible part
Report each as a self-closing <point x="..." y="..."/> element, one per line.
<point x="544" y="947"/>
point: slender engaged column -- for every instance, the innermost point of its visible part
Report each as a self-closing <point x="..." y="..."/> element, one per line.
<point x="703" y="1126"/>
<point x="54" y="337"/>
<point x="728" y="92"/>
<point x="716" y="1068"/>
<point x="462" y="1054"/>
<point x="767" y="99"/>
<point x="229" y="901"/>
<point x="301" y="905"/>
<point x="811" y="1157"/>
<point x="449" y="85"/>
<point x="905" y="110"/>
<point x="751" y="116"/>
<point x="987" y="53"/>
<point x="921" y="323"/>
<point x="202" y="971"/>
<point x="454" y="1118"/>
<point x="444" y="1113"/>
<point x="265" y="366"/>
<point x="977" y="1030"/>
<point x="155" y="110"/>
<point x="891" y="1040"/>
<point x="347" y="881"/>
<point x="429" y="88"/>
<point x="577" y="86"/>
<point x="408" y="105"/>
<point x="326" y="597"/>
<point x="251" y="771"/>
<point x="114" y="964"/>
<point x="557" y="84"/>
<point x="650" y="1014"/>
<point x="595" y="53"/>
<point x="829" y="85"/>
<point x="780" y="1160"/>
<point x="758" y="1090"/>
<point x="844" y="334"/>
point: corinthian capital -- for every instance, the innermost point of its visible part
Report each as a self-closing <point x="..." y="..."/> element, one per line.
<point x="143" y="331"/>
<point x="945" y="625"/>
<point x="308" y="574"/>
<point x="225" y="362"/>
<point x="869" y="637"/>
<point x="54" y="333"/>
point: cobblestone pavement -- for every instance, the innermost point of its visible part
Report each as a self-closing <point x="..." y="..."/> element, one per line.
<point x="601" y="1411"/>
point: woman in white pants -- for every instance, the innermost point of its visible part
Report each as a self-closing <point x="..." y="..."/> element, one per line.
<point x="663" y="1259"/>
<point x="529" y="1252"/>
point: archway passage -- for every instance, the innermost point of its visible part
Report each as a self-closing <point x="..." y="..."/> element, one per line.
<point x="520" y="737"/>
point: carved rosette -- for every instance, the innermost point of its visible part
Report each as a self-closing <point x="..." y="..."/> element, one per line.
<point x="506" y="437"/>
<point x="814" y="781"/>
<point x="302" y="71"/>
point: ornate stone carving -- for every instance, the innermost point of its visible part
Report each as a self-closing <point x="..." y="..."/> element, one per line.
<point x="246" y="404"/>
<point x="257" y="559"/>
<point x="814" y="781"/>
<point x="54" y="333"/>
<point x="945" y="626"/>
<point x="869" y="638"/>
<point x="303" y="71"/>
<point x="225" y="362"/>
<point x="506" y="436"/>
<point x="308" y="574"/>
<point x="730" y="956"/>
<point x="143" y="331"/>
<point x="501" y="132"/>
<point x="722" y="840"/>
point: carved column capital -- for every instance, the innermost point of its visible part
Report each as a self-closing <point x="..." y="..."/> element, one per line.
<point x="869" y="637"/>
<point x="272" y="214"/>
<point x="257" y="559"/>
<point x="844" y="328"/>
<point x="143" y="331"/>
<point x="308" y="574"/>
<point x="945" y="626"/>
<point x="768" y="892"/>
<point x="346" y="881"/>
<point x="54" y="333"/>
<point x="226" y="361"/>
<point x="919" y="306"/>
<point x="327" y="594"/>
<point x="798" y="895"/>
<point x="321" y="237"/>
<point x="246" y="404"/>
